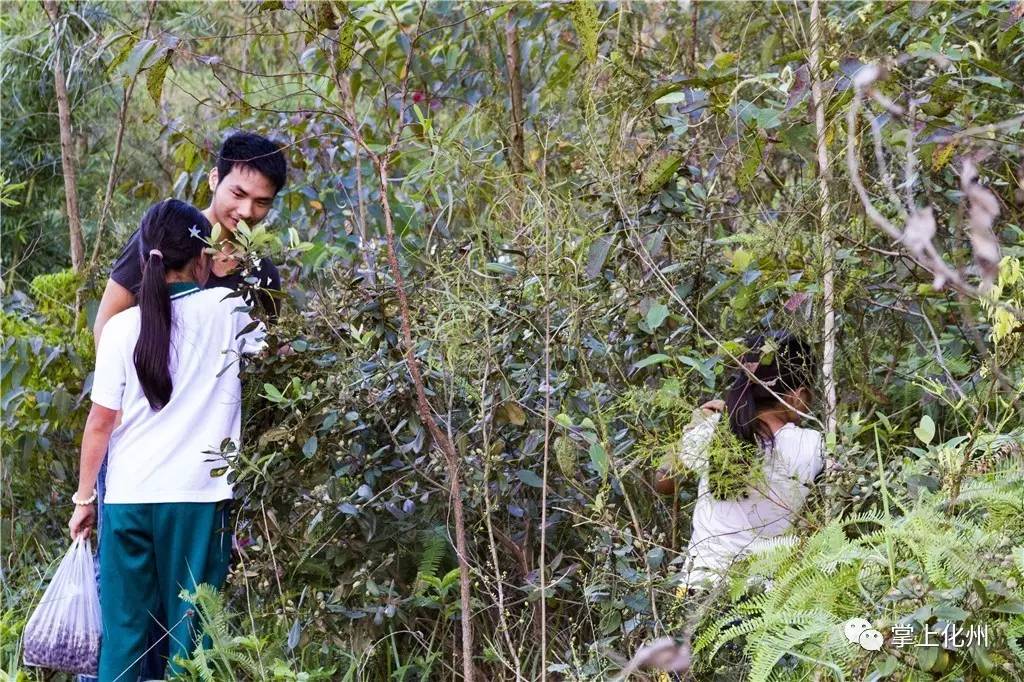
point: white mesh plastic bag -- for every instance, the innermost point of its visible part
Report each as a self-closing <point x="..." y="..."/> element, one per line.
<point x="64" y="630"/>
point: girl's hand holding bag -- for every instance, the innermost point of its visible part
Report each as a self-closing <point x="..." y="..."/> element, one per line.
<point x="64" y="630"/>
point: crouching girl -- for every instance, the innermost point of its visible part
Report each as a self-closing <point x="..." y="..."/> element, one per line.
<point x="765" y="403"/>
<point x="170" y="366"/>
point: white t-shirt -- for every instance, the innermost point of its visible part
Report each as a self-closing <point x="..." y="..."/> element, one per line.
<point x="723" y="530"/>
<point x="163" y="455"/>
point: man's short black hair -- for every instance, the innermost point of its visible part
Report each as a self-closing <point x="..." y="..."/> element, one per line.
<point x="256" y="152"/>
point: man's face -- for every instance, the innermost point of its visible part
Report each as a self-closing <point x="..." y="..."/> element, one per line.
<point x="243" y="194"/>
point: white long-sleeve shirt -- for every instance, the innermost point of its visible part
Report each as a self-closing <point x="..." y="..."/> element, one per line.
<point x="723" y="530"/>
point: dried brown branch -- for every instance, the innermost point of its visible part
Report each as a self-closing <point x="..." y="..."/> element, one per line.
<point x="515" y="95"/>
<point x="979" y="131"/>
<point x="924" y="254"/>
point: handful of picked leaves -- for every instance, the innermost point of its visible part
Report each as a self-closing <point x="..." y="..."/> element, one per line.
<point x="731" y="466"/>
<point x="734" y="467"/>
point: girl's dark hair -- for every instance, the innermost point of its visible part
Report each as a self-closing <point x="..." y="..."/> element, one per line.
<point x="172" y="233"/>
<point x="780" y="360"/>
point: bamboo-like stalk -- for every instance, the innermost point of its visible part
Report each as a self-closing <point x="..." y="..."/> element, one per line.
<point x="828" y="246"/>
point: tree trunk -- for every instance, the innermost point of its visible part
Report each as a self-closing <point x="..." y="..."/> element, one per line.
<point x="441" y="441"/>
<point x="67" y="150"/>
<point x="515" y="95"/>
<point x="827" y="237"/>
<point x="694" y="16"/>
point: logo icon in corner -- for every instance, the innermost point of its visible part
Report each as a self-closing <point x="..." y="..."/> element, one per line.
<point x="870" y="640"/>
<point x="859" y="631"/>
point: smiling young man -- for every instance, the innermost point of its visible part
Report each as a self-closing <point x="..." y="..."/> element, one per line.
<point x="250" y="171"/>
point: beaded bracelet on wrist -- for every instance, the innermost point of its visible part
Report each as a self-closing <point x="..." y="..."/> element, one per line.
<point x="84" y="503"/>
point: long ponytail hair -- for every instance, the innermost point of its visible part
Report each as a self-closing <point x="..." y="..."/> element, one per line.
<point x="781" y="362"/>
<point x="171" y="235"/>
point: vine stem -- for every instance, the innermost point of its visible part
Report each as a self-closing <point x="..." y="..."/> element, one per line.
<point x="488" y="510"/>
<point x="547" y="452"/>
<point x="885" y="508"/>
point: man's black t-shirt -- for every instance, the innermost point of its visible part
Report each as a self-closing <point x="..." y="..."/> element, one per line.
<point x="127" y="271"/>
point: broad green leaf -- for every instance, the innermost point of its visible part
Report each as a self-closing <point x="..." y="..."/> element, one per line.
<point x="123" y="53"/>
<point x="949" y="612"/>
<point x="597" y="255"/>
<point x="741" y="259"/>
<point x="511" y="413"/>
<point x="1014" y="606"/>
<point x="753" y="155"/>
<point x="599" y="458"/>
<point x="654" y="359"/>
<point x="982" y="660"/>
<point x="726" y="59"/>
<point x="656" y="314"/>
<point x="672" y="98"/>
<point x="155" y="77"/>
<point x="500" y="11"/>
<point x="925" y="431"/>
<point x="501" y="268"/>
<point x="139" y="57"/>
<point x="272" y="394"/>
<point x="530" y="478"/>
<point x="926" y="656"/>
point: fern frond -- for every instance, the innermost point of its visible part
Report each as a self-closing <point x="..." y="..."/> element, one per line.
<point x="711" y="632"/>
<point x="1015" y="640"/>
<point x="781" y="543"/>
<point x="435" y="545"/>
<point x="766" y="651"/>
<point x="874" y="516"/>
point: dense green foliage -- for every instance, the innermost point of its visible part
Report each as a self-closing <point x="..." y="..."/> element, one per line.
<point x="567" y="316"/>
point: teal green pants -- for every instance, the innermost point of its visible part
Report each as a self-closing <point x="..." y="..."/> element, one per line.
<point x="149" y="554"/>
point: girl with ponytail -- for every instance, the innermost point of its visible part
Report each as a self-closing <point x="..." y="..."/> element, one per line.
<point x="167" y="246"/>
<point x="766" y="401"/>
<point x="169" y="366"/>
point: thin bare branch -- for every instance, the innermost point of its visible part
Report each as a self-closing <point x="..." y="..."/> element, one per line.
<point x="122" y="124"/>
